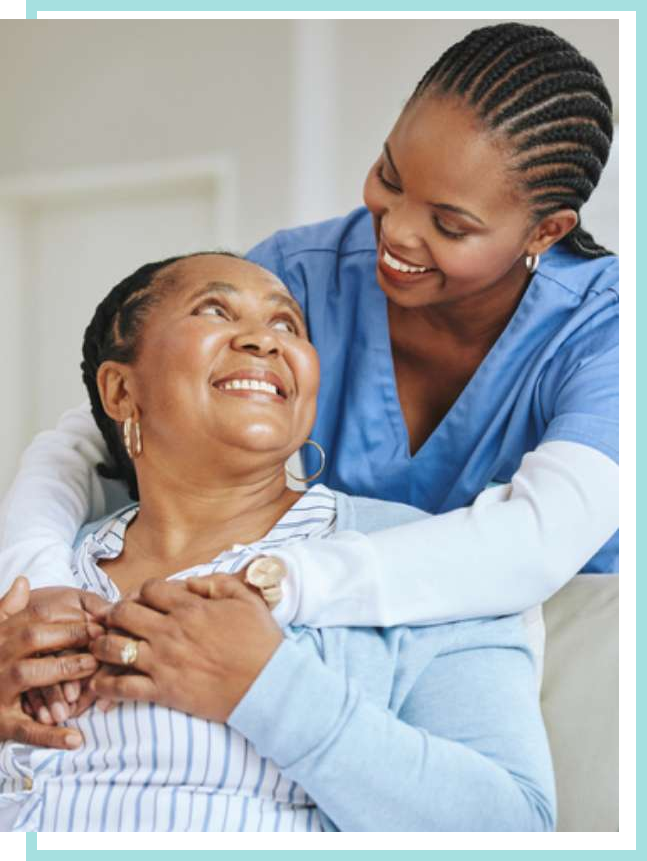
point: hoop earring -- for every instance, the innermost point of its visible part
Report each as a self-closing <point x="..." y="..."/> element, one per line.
<point x="127" y="435"/>
<point x="532" y="262"/>
<point x="322" y="455"/>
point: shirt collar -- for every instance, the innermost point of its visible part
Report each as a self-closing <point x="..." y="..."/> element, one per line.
<point x="312" y="515"/>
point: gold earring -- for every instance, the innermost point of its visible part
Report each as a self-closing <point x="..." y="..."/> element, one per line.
<point x="322" y="455"/>
<point x="127" y="434"/>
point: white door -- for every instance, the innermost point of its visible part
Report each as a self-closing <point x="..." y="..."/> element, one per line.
<point x="65" y="241"/>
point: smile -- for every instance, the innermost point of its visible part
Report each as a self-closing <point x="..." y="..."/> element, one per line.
<point x="399" y="266"/>
<point x="399" y="272"/>
<point x="252" y="383"/>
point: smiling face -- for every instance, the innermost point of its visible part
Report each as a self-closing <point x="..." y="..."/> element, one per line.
<point x="225" y="374"/>
<point x="448" y="221"/>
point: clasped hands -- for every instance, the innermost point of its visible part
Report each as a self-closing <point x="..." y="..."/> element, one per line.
<point x="201" y="644"/>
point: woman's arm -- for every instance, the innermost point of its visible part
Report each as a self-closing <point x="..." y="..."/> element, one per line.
<point x="464" y="748"/>
<point x="513" y="548"/>
<point x="56" y="490"/>
<point x="466" y="751"/>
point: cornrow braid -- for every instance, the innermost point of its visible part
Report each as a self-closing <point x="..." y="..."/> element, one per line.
<point x="113" y="336"/>
<point x="550" y="102"/>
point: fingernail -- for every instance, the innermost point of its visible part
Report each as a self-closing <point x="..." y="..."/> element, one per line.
<point x="59" y="712"/>
<point x="88" y="662"/>
<point x="104" y="705"/>
<point x="73" y="739"/>
<point x="43" y="715"/>
<point x="71" y="694"/>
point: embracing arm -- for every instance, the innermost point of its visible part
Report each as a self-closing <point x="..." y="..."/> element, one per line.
<point x="466" y="752"/>
<point x="56" y="490"/>
<point x="512" y="548"/>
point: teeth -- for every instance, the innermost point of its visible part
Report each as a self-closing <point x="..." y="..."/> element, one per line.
<point x="401" y="267"/>
<point x="252" y="385"/>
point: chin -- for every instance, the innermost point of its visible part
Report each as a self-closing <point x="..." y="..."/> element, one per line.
<point x="417" y="296"/>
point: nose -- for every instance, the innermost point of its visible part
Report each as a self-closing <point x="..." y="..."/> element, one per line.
<point x="400" y="227"/>
<point x="258" y="341"/>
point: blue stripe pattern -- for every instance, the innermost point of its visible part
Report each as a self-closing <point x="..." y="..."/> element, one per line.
<point x="148" y="768"/>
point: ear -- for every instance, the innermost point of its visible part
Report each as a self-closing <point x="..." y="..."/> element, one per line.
<point x="116" y="384"/>
<point x="550" y="230"/>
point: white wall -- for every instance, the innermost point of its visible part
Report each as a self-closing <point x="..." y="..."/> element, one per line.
<point x="298" y="109"/>
<point x="288" y="100"/>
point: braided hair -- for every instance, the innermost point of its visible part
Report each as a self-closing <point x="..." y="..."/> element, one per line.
<point x="549" y="101"/>
<point x="113" y="336"/>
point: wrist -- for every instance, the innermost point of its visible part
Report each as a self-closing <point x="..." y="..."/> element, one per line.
<point x="266" y="574"/>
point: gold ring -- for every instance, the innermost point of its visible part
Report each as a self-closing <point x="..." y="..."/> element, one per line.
<point x="129" y="652"/>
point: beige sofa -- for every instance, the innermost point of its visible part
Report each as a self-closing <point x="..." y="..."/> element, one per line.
<point x="580" y="701"/>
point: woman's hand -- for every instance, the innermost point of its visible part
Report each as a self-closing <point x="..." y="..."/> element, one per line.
<point x="56" y="703"/>
<point x="27" y="631"/>
<point x="78" y="694"/>
<point x="201" y="644"/>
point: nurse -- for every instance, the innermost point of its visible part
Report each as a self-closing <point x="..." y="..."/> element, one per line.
<point x="467" y="331"/>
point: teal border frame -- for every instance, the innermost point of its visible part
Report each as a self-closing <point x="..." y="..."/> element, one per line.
<point x="244" y="854"/>
<point x="35" y="6"/>
<point x="32" y="9"/>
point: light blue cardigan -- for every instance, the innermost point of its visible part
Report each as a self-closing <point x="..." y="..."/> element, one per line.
<point x="432" y="728"/>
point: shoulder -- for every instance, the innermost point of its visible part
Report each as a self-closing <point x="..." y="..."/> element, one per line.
<point x="577" y="307"/>
<point x="580" y="276"/>
<point x="350" y="234"/>
<point x="94" y="531"/>
<point x="371" y="515"/>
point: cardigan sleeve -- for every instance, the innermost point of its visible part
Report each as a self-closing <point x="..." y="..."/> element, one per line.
<point x="465" y="751"/>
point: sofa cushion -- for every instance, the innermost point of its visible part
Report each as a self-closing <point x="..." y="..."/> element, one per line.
<point x="580" y="701"/>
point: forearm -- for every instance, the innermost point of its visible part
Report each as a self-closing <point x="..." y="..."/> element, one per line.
<point x="366" y="769"/>
<point x="513" y="548"/>
<point x="55" y="491"/>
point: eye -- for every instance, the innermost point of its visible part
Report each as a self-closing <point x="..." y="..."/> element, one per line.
<point x="212" y="308"/>
<point x="285" y="324"/>
<point x="391" y="186"/>
<point x="450" y="234"/>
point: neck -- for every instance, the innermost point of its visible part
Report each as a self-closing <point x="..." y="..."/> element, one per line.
<point x="183" y="522"/>
<point x="473" y="322"/>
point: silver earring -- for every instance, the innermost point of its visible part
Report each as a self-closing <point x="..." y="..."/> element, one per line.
<point x="322" y="455"/>
<point x="532" y="262"/>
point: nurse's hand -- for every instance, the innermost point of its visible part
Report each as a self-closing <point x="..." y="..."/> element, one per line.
<point x="198" y="653"/>
<point x="56" y="703"/>
<point x="29" y="639"/>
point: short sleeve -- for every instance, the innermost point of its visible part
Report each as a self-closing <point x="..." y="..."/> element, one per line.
<point x="580" y="393"/>
<point x="269" y="255"/>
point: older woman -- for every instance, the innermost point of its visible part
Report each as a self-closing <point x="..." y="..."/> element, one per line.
<point x="203" y="382"/>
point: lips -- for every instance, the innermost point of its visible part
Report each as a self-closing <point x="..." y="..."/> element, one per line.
<point x="384" y="244"/>
<point x="402" y="279"/>
<point x="244" y="382"/>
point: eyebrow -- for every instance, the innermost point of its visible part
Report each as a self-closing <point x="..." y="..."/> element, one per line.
<point x="276" y="297"/>
<point x="446" y="206"/>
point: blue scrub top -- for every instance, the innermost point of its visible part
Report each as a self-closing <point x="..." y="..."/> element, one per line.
<point x="551" y="375"/>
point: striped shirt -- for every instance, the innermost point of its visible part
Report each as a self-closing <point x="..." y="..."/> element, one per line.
<point x="145" y="767"/>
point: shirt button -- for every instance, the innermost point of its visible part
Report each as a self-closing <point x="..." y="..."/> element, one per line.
<point x="27" y="783"/>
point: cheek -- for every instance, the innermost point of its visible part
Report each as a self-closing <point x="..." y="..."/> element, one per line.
<point x="472" y="259"/>
<point x="177" y="363"/>
<point x="374" y="196"/>
<point x="305" y="363"/>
